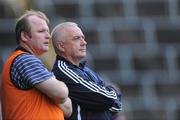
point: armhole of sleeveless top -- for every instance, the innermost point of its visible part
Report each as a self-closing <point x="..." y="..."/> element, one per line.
<point x="11" y="75"/>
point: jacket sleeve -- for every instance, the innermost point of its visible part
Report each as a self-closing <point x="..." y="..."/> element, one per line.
<point x="86" y="93"/>
<point x="117" y="106"/>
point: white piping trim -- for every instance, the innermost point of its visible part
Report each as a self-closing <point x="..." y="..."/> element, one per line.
<point x="78" y="112"/>
<point x="90" y="85"/>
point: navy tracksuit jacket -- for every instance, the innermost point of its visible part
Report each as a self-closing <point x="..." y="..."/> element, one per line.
<point x="91" y="99"/>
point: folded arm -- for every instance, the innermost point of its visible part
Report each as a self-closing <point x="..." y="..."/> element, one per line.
<point x="55" y="89"/>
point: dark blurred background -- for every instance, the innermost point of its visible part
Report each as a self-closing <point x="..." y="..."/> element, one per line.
<point x="134" y="44"/>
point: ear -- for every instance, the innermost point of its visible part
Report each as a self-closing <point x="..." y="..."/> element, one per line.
<point x="24" y="37"/>
<point x="60" y="46"/>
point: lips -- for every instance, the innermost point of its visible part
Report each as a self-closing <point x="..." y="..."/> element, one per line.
<point x="83" y="50"/>
<point x="46" y="43"/>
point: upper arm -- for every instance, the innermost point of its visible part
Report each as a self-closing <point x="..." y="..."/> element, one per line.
<point x="27" y="72"/>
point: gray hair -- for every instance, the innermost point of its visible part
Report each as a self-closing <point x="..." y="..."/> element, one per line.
<point x="59" y="34"/>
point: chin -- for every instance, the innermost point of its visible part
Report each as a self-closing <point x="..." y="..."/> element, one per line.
<point x="46" y="49"/>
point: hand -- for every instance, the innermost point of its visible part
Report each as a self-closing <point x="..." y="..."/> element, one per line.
<point x="66" y="107"/>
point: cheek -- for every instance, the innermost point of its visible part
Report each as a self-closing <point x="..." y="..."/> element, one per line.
<point x="36" y="43"/>
<point x="72" y="49"/>
<point x="75" y="49"/>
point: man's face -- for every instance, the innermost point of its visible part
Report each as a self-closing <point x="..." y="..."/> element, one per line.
<point x="75" y="44"/>
<point x="39" y="40"/>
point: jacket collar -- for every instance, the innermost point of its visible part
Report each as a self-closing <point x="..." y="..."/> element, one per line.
<point x="81" y="64"/>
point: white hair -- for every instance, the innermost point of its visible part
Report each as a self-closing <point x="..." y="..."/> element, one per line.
<point x="59" y="34"/>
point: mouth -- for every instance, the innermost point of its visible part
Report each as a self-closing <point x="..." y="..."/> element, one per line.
<point x="83" y="50"/>
<point x="46" y="43"/>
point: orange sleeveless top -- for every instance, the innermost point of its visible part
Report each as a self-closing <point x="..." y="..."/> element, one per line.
<point x="29" y="104"/>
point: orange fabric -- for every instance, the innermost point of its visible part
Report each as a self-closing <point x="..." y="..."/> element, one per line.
<point x="25" y="104"/>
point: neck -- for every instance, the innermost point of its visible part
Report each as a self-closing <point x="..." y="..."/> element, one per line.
<point x="28" y="48"/>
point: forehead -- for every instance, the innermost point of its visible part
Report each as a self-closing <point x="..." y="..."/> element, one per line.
<point x="74" y="30"/>
<point x="37" y="21"/>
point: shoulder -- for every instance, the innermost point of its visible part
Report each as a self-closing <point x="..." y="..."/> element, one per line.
<point x="28" y="70"/>
<point x="87" y="69"/>
<point x="27" y="60"/>
<point x="27" y="57"/>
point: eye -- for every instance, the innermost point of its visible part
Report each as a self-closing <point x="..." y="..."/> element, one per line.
<point x="43" y="30"/>
<point x="76" y="37"/>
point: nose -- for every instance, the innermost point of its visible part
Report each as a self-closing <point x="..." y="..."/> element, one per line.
<point x="48" y="35"/>
<point x="84" y="41"/>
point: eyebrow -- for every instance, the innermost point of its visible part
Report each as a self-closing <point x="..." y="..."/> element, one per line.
<point x="78" y="36"/>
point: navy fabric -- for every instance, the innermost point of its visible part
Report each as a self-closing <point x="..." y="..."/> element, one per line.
<point x="92" y="99"/>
